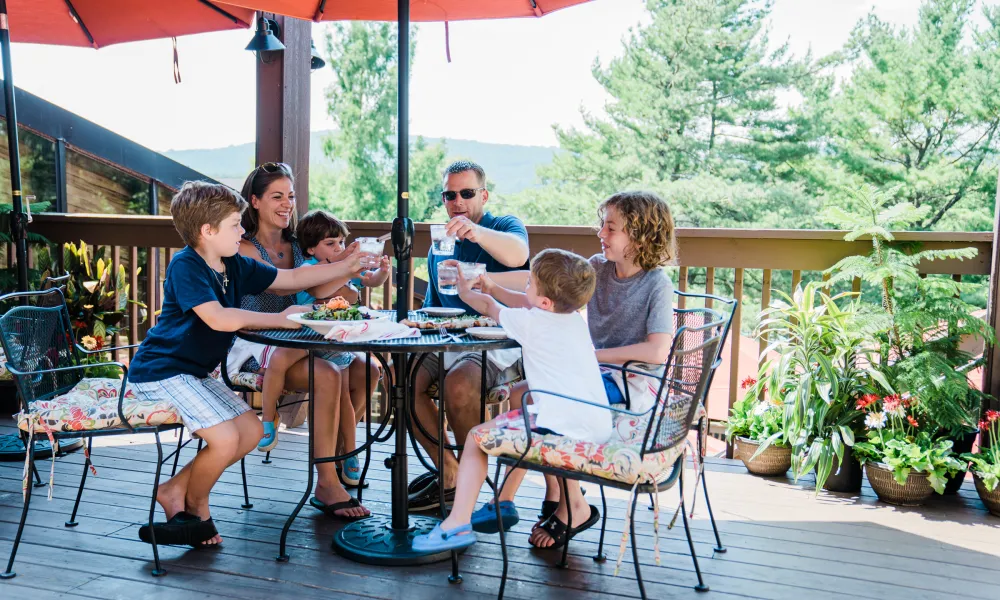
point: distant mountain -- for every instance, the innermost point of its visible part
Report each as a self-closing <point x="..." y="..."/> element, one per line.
<point x="510" y="167"/>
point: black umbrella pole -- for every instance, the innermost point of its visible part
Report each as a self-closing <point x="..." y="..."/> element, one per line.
<point x="18" y="220"/>
<point x="402" y="227"/>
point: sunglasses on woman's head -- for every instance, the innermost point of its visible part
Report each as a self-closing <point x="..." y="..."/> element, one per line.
<point x="467" y="194"/>
<point x="272" y="167"/>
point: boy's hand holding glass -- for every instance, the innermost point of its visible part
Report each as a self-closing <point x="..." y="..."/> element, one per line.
<point x="465" y="284"/>
<point x="377" y="277"/>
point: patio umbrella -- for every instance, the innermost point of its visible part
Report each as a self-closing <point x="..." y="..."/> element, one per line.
<point x="405" y="11"/>
<point x="94" y="23"/>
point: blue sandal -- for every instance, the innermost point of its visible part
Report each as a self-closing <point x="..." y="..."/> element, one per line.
<point x="351" y="473"/>
<point x="270" y="438"/>
<point x="484" y="520"/>
<point x="439" y="540"/>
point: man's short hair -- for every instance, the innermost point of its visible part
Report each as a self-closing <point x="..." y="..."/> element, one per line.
<point x="201" y="203"/>
<point x="565" y="278"/>
<point x="318" y="225"/>
<point x="461" y="166"/>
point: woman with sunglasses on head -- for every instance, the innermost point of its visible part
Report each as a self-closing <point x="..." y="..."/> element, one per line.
<point x="270" y="222"/>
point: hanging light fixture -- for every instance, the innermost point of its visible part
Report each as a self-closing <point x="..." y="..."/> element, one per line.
<point x="317" y="60"/>
<point x="265" y="40"/>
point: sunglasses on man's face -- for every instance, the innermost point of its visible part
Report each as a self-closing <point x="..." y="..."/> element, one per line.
<point x="466" y="194"/>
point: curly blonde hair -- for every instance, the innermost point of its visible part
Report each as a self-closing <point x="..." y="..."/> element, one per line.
<point x="649" y="225"/>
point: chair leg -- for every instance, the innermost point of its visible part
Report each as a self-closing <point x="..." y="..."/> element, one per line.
<point x="9" y="573"/>
<point x="83" y="481"/>
<point x="600" y="557"/>
<point x="635" y="549"/>
<point x="704" y="488"/>
<point x="177" y="454"/>
<point x="158" y="571"/>
<point x="267" y="458"/>
<point x="246" y="494"/>
<point x="38" y="478"/>
<point x="701" y="587"/>
<point x="496" y="485"/>
<point x="564" y="563"/>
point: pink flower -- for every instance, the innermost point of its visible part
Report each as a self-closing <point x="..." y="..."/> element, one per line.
<point x="992" y="415"/>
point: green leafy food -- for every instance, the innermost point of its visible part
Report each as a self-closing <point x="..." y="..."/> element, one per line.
<point x="325" y="314"/>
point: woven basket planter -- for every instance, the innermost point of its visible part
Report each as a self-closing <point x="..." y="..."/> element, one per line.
<point x="775" y="460"/>
<point x="990" y="499"/>
<point x="916" y="491"/>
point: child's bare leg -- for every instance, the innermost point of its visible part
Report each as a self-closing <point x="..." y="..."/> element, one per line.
<point x="470" y="479"/>
<point x="347" y="426"/>
<point x="581" y="512"/>
<point x="274" y="379"/>
<point x="222" y="446"/>
<point x="358" y="374"/>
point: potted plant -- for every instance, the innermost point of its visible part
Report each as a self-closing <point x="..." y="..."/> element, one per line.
<point x="904" y="465"/>
<point x="985" y="465"/>
<point x="754" y="428"/>
<point x="817" y="362"/>
<point x="920" y="352"/>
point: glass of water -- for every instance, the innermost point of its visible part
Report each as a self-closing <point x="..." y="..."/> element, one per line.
<point x="371" y="251"/>
<point x="472" y="270"/>
<point x="442" y="243"/>
<point x="448" y="279"/>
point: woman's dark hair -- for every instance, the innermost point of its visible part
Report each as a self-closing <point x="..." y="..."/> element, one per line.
<point x="255" y="185"/>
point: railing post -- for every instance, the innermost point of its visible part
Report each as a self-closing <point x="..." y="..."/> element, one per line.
<point x="62" y="202"/>
<point x="154" y="197"/>
<point x="991" y="371"/>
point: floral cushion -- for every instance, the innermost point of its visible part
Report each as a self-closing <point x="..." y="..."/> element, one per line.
<point x="618" y="459"/>
<point x="93" y="404"/>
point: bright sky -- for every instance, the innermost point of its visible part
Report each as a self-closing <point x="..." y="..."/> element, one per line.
<point x="508" y="82"/>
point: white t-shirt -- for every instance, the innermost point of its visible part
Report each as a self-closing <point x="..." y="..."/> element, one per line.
<point x="559" y="357"/>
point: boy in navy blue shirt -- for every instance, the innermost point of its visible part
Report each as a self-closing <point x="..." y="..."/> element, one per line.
<point x="201" y="295"/>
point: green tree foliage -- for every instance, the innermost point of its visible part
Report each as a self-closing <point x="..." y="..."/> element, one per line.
<point x="920" y="111"/>
<point x="362" y="103"/>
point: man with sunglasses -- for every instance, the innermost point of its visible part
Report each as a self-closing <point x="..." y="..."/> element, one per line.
<point x="501" y="243"/>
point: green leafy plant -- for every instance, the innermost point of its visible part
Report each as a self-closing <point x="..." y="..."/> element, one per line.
<point x="920" y="351"/>
<point x="817" y="364"/>
<point x="895" y="440"/>
<point x="986" y="463"/>
<point x="756" y="419"/>
<point x="8" y="277"/>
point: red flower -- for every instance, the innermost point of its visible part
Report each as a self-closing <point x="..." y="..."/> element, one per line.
<point x="865" y="401"/>
<point x="992" y="415"/>
<point x="763" y="391"/>
<point x="912" y="421"/>
<point x="984" y="425"/>
<point x="747" y="382"/>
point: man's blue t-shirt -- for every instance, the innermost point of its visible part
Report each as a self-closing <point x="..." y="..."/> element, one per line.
<point x="466" y="251"/>
<point x="181" y="343"/>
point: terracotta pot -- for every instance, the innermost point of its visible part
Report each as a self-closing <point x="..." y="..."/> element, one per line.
<point x="845" y="477"/>
<point x="990" y="499"/>
<point x="775" y="460"/>
<point x="915" y="492"/>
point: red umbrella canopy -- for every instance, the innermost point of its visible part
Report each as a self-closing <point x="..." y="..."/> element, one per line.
<point x="420" y="10"/>
<point x="99" y="23"/>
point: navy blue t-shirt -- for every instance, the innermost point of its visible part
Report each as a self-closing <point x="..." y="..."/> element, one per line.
<point x="181" y="343"/>
<point x="466" y="251"/>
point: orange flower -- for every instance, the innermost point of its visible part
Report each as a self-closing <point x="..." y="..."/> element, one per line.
<point x="865" y="401"/>
<point x="912" y="421"/>
<point x="747" y="382"/>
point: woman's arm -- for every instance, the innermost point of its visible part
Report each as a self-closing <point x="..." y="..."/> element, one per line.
<point x="220" y="318"/>
<point x="655" y="350"/>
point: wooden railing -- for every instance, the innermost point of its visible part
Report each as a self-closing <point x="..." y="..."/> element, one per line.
<point x="723" y="261"/>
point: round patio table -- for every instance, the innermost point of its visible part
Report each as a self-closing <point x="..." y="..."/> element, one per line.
<point x="380" y="539"/>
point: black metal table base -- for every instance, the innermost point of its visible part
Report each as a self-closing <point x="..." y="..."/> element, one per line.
<point x="373" y="541"/>
<point x="12" y="448"/>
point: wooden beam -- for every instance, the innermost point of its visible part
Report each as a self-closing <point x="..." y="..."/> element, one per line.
<point x="991" y="372"/>
<point x="283" y="104"/>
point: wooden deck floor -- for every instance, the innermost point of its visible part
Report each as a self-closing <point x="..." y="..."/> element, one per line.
<point x="783" y="542"/>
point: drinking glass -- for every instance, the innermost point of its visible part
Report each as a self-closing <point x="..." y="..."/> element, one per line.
<point x="473" y="270"/>
<point x="442" y="243"/>
<point x="448" y="280"/>
<point x="371" y="251"/>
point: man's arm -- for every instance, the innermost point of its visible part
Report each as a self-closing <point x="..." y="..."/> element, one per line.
<point x="220" y="318"/>
<point x="509" y="249"/>
<point x="512" y="280"/>
<point x="655" y="350"/>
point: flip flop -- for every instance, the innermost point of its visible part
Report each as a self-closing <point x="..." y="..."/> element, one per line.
<point x="330" y="510"/>
<point x="560" y="534"/>
<point x="439" y="540"/>
<point x="549" y="508"/>
<point x="182" y="529"/>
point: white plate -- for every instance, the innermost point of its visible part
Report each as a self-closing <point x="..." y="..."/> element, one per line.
<point x="324" y="327"/>
<point x="440" y="311"/>
<point x="487" y="333"/>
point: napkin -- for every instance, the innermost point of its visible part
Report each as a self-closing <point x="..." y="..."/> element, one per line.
<point x="367" y="331"/>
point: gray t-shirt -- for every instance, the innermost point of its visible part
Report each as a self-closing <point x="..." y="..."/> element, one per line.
<point x="623" y="312"/>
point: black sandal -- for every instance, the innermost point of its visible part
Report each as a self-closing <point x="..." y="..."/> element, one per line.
<point x="561" y="534"/>
<point x="549" y="508"/>
<point x="183" y="529"/>
<point x="330" y="510"/>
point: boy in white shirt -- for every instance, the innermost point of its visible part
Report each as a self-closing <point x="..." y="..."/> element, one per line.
<point x="558" y="357"/>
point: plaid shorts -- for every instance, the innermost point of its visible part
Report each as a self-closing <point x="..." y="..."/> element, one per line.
<point x="201" y="403"/>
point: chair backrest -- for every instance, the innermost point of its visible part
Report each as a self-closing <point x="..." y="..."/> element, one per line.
<point x="726" y="306"/>
<point x="685" y="379"/>
<point x="36" y="334"/>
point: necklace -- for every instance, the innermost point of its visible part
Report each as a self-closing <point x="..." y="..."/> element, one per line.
<point x="224" y="280"/>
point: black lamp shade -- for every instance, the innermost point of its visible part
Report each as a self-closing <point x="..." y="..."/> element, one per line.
<point x="263" y="40"/>
<point x="317" y="60"/>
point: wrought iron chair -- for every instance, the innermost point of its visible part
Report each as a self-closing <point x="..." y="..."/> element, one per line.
<point x="646" y="453"/>
<point x="57" y="399"/>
